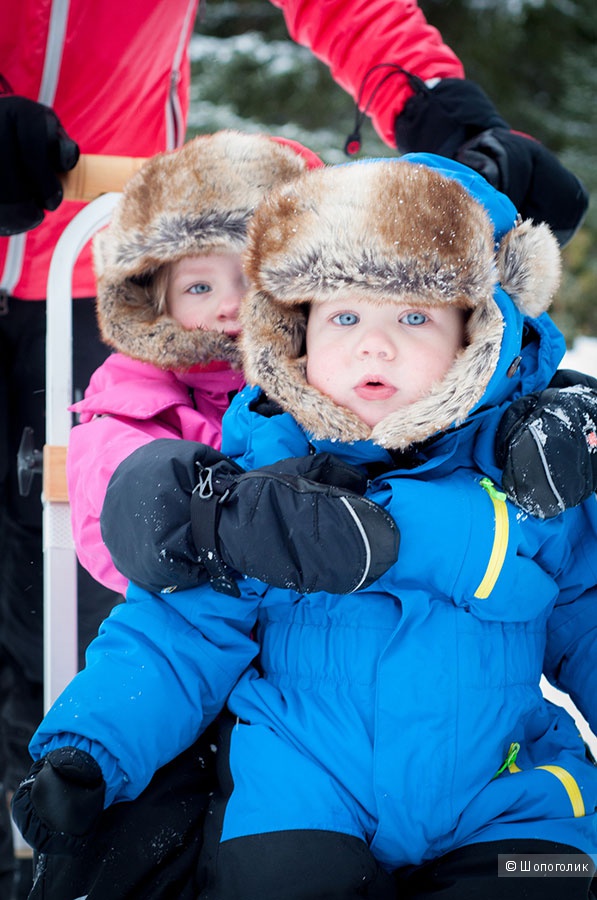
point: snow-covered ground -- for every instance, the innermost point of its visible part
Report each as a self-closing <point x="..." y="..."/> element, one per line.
<point x="564" y="700"/>
<point x="583" y="356"/>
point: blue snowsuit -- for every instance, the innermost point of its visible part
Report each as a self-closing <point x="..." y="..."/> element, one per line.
<point x="411" y="692"/>
<point x="408" y="714"/>
<point x="397" y="706"/>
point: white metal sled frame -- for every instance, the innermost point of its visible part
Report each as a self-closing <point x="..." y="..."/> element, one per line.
<point x="60" y="563"/>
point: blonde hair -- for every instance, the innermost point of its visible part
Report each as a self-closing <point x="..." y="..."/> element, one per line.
<point x="149" y="290"/>
<point x="158" y="288"/>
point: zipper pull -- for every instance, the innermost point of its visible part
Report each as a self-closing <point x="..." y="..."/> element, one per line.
<point x="204" y="486"/>
<point x="510" y="758"/>
<point x="488" y="485"/>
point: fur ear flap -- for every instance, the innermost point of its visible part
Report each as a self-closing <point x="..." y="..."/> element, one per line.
<point x="529" y="266"/>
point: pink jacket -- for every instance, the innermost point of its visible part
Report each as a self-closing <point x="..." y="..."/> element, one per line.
<point x="127" y="404"/>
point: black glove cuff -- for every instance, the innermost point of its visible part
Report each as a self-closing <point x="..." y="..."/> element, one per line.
<point x="442" y="118"/>
<point x="571" y="378"/>
<point x="76" y="766"/>
<point x="153" y="489"/>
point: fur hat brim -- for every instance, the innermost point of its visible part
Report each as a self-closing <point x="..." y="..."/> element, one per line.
<point x="194" y="201"/>
<point x="384" y="231"/>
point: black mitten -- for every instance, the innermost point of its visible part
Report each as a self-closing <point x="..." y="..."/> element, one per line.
<point x="547" y="446"/>
<point x="58" y="804"/>
<point x="455" y="118"/>
<point x="178" y="513"/>
<point x="296" y="524"/>
<point x="34" y="148"/>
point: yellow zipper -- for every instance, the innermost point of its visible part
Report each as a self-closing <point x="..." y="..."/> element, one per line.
<point x="500" y="540"/>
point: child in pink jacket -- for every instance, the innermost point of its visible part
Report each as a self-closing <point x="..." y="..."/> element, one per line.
<point x="174" y="372"/>
<point x="170" y="283"/>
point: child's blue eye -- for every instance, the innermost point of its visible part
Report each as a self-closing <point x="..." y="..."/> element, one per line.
<point x="200" y="288"/>
<point x="414" y="318"/>
<point x="346" y="318"/>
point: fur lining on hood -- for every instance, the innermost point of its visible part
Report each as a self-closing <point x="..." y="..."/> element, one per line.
<point x="196" y="200"/>
<point x="388" y="231"/>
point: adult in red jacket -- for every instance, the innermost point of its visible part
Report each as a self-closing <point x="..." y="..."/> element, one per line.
<point x="114" y="79"/>
<point x="117" y="77"/>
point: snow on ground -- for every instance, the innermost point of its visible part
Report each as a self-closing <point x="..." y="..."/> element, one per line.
<point x="564" y="700"/>
<point x="583" y="358"/>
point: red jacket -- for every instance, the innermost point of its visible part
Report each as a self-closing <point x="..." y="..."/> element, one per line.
<point x="352" y="36"/>
<point x="117" y="76"/>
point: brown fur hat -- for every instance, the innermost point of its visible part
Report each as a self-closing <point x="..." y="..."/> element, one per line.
<point x="388" y="231"/>
<point x="196" y="200"/>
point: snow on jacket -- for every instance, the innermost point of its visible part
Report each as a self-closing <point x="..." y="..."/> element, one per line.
<point x="421" y="693"/>
<point x="127" y="404"/>
<point x="62" y="41"/>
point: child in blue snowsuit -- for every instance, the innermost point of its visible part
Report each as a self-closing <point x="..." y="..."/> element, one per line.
<point x="392" y="742"/>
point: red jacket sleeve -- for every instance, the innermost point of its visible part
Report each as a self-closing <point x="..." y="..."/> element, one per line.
<point x="352" y="36"/>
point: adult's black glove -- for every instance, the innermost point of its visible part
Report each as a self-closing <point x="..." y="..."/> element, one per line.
<point x="456" y="118"/>
<point x="34" y="148"/>
<point x="547" y="446"/>
<point x="178" y="513"/>
<point x="58" y="804"/>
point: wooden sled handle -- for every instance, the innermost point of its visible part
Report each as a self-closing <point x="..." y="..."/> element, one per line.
<point x="95" y="175"/>
<point x="54" y="474"/>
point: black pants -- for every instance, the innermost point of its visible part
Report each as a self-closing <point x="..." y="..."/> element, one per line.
<point x="323" y="865"/>
<point x="22" y="403"/>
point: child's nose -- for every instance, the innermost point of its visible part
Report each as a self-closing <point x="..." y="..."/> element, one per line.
<point x="376" y="343"/>
<point x="230" y="304"/>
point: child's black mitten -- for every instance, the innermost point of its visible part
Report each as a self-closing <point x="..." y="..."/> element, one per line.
<point x="34" y="148"/>
<point x="547" y="446"/>
<point x="456" y="118"/>
<point x="57" y="806"/>
<point x="178" y="513"/>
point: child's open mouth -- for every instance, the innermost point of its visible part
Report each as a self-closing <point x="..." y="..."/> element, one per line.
<point x="374" y="388"/>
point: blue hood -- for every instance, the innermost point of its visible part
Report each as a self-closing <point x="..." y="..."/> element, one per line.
<point x="544" y="344"/>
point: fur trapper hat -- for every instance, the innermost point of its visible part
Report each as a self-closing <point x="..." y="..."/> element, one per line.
<point x="193" y="201"/>
<point x="389" y="231"/>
